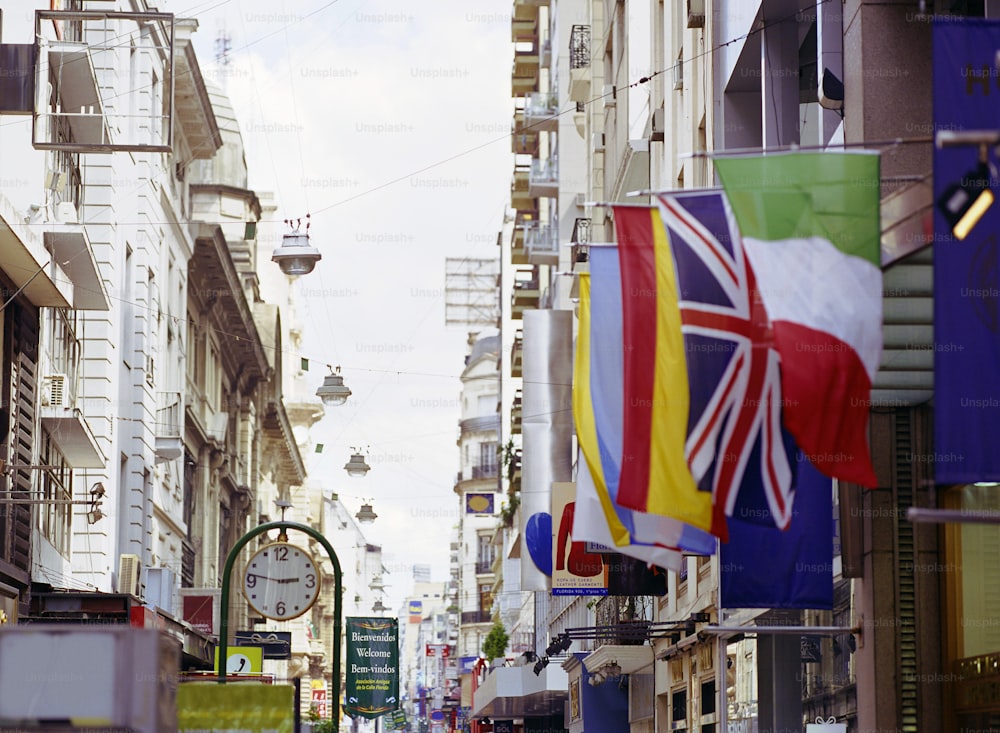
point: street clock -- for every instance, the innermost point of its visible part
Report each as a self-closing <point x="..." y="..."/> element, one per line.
<point x="281" y="581"/>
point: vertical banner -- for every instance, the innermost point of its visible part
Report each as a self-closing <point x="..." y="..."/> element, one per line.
<point x="372" y="666"/>
<point x="575" y="571"/>
<point x="966" y="264"/>
<point x="546" y="434"/>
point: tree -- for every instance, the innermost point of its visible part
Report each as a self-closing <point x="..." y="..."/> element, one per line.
<point x="495" y="644"/>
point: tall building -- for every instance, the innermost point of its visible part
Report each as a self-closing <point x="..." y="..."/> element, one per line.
<point x="638" y="96"/>
<point x="149" y="429"/>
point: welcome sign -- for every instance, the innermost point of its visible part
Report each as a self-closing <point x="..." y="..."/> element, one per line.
<point x="372" y="666"/>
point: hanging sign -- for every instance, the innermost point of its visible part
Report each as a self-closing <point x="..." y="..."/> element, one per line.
<point x="372" y="666"/>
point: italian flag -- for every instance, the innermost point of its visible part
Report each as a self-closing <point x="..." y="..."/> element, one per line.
<point x="811" y="231"/>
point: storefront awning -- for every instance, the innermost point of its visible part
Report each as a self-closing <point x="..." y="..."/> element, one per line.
<point x="517" y="692"/>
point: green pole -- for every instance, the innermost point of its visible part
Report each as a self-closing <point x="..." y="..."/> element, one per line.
<point x="338" y="599"/>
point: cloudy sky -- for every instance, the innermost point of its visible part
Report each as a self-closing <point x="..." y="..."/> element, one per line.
<point x="388" y="122"/>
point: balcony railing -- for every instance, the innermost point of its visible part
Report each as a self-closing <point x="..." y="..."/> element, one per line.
<point x="541" y="242"/>
<point x="544" y="178"/>
<point x="480" y="424"/>
<point x="579" y="47"/>
<point x="487" y="470"/>
<point x="479" y="471"/>
<point x="484" y="566"/>
<point x="169" y="425"/>
<point x="63" y="380"/>
<point x="541" y="111"/>
<point x="475" y="617"/>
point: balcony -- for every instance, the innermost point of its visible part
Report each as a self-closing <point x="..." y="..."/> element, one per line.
<point x="524" y="23"/>
<point x="541" y="111"/>
<point x="518" y="254"/>
<point x="525" y="71"/>
<point x="516" y="350"/>
<point x="520" y="198"/>
<point x="543" y="181"/>
<point x="526" y="292"/>
<point x="523" y="140"/>
<point x="169" y="426"/>
<point x="515" y="414"/>
<point x="72" y="116"/>
<point x="476" y="617"/>
<point x="482" y="424"/>
<point x="486" y="470"/>
<point x="58" y="411"/>
<point x="57" y="269"/>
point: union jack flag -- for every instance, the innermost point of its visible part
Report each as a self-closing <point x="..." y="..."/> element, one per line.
<point x="736" y="445"/>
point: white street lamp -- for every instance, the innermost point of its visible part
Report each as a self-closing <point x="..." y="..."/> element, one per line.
<point x="333" y="392"/>
<point x="296" y="256"/>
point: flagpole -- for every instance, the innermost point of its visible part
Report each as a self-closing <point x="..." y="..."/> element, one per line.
<point x="958" y="516"/>
<point x="833" y="148"/>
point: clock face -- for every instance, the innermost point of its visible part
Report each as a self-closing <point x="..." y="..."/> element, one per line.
<point x="281" y="581"/>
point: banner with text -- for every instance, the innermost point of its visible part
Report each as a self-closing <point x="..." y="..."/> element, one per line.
<point x="372" y="666"/>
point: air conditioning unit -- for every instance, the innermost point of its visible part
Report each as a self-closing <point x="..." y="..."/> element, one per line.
<point x="160" y="589"/>
<point x="54" y="390"/>
<point x="66" y="213"/>
<point x="150" y="370"/>
<point x="128" y="574"/>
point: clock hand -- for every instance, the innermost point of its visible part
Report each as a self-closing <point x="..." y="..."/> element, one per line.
<point x="264" y="577"/>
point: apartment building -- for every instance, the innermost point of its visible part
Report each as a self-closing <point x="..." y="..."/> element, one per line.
<point x="148" y="428"/>
<point x="654" y="90"/>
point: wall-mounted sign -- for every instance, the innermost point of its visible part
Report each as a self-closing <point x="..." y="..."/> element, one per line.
<point x="276" y="644"/>
<point x="200" y="609"/>
<point x="479" y="503"/>
<point x="242" y="660"/>
<point x="416" y="611"/>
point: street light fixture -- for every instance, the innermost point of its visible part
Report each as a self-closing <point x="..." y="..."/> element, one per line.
<point x="366" y="515"/>
<point x="356" y="466"/>
<point x="332" y="391"/>
<point x="296" y="256"/>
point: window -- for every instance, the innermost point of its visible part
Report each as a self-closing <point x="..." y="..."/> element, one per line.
<point x="708" y="697"/>
<point x="487" y="459"/>
<point x="485" y="599"/>
<point x="193" y="352"/>
<point x="678" y="709"/>
<point x="485" y="554"/>
<point x="213" y="377"/>
<point x="56" y="486"/>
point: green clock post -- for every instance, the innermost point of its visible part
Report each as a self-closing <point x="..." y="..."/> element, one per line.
<point x="282" y="582"/>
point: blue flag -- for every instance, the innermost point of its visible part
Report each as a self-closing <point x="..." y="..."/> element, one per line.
<point x="765" y="567"/>
<point x="966" y="265"/>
